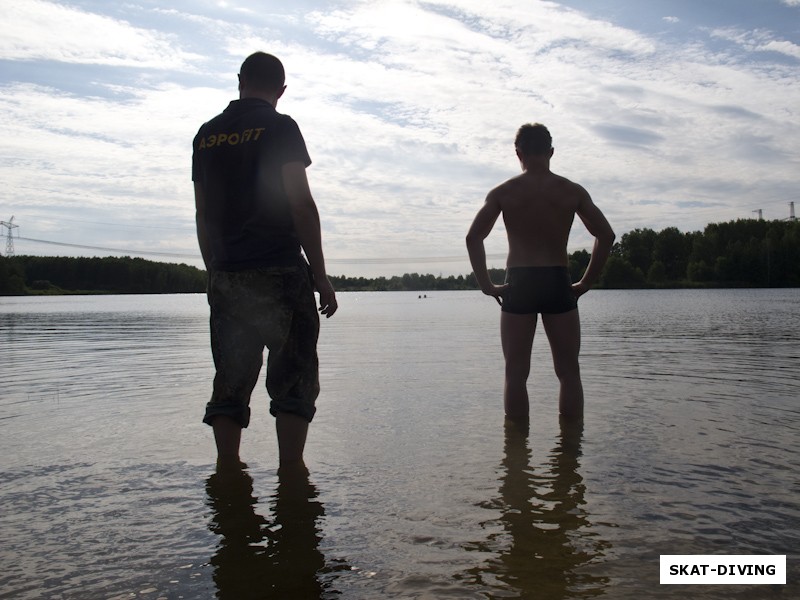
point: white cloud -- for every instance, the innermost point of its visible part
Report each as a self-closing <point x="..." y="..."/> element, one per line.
<point x="128" y="161"/>
<point x="409" y="110"/>
<point x="40" y="30"/>
<point x="538" y="73"/>
<point x="783" y="47"/>
<point x="758" y="41"/>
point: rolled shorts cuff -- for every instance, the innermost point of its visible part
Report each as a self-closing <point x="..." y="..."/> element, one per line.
<point x="302" y="409"/>
<point x="240" y="414"/>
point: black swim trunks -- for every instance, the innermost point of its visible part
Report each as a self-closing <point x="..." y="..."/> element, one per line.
<point x="546" y="290"/>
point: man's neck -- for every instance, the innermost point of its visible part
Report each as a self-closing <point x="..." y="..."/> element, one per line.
<point x="536" y="166"/>
<point x="266" y="97"/>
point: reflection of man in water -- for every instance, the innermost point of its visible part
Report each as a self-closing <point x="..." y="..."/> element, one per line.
<point x="538" y="209"/>
<point x="543" y="519"/>
<point x="259" y="559"/>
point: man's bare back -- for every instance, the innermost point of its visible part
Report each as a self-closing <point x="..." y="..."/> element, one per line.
<point x="538" y="209"/>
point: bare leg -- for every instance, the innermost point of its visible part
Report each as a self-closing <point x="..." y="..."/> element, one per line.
<point x="516" y="333"/>
<point x="564" y="334"/>
<point x="292" y="431"/>
<point x="227" y="435"/>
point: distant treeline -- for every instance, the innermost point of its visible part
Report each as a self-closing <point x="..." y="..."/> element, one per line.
<point x="743" y="253"/>
<point x="414" y="282"/>
<point x="21" y="275"/>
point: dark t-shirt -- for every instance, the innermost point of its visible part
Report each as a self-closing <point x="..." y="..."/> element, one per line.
<point x="237" y="160"/>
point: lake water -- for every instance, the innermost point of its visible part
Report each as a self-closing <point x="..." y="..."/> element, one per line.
<point x="416" y="489"/>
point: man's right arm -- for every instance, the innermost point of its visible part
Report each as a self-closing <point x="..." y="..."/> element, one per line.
<point x="481" y="228"/>
<point x="597" y="224"/>
<point x="202" y="234"/>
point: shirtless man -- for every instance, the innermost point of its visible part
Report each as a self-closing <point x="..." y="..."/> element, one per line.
<point x="538" y="209"/>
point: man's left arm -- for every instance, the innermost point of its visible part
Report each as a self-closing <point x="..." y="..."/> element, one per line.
<point x="307" y="225"/>
<point x="597" y="224"/>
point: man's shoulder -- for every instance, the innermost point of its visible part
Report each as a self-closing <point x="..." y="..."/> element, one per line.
<point x="209" y="122"/>
<point x="568" y="186"/>
<point x="525" y="181"/>
<point x="526" y="188"/>
<point x="247" y="110"/>
<point x="249" y="121"/>
<point x="561" y="180"/>
<point x="510" y="184"/>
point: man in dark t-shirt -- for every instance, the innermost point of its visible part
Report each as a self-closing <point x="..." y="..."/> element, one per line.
<point x="255" y="213"/>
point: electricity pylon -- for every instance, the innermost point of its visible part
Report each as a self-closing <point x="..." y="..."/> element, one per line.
<point x="9" y="237"/>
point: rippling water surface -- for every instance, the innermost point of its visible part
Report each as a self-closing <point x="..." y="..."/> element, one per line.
<point x="416" y="488"/>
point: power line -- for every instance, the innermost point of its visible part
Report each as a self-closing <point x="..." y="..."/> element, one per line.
<point x="412" y="260"/>
<point x="116" y="250"/>
<point x="189" y="225"/>
<point x="341" y="261"/>
<point x="181" y="223"/>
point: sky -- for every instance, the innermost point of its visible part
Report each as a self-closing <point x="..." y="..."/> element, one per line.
<point x="671" y="113"/>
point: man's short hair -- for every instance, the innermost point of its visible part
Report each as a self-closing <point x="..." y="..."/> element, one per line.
<point x="533" y="139"/>
<point x="262" y="71"/>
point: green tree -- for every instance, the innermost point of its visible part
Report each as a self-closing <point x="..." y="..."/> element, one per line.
<point x="657" y="273"/>
<point x="12" y="281"/>
<point x="578" y="262"/>
<point x="636" y="247"/>
<point x="699" y="271"/>
<point x="123" y="275"/>
<point x="619" y="273"/>
<point x="672" y="248"/>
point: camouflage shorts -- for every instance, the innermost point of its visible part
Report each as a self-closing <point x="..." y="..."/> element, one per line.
<point x="271" y="308"/>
